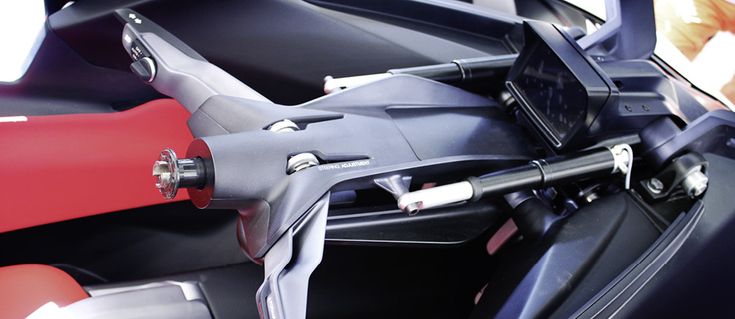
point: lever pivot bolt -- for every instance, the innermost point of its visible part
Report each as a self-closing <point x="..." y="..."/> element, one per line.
<point x="301" y="161"/>
<point x="283" y="126"/>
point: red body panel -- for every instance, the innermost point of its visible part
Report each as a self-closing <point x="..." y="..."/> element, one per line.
<point x="61" y="167"/>
<point x="26" y="288"/>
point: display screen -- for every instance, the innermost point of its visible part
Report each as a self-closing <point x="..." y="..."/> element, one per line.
<point x="551" y="89"/>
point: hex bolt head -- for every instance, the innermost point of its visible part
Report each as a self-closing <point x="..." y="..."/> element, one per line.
<point x="172" y="173"/>
<point x="166" y="174"/>
<point x="655" y="185"/>
<point x="695" y="184"/>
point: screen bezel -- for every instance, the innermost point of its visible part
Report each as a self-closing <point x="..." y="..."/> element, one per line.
<point x="597" y="86"/>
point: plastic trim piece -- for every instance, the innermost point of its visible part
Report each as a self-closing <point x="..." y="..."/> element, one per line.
<point x="289" y="264"/>
<point x="614" y="297"/>
<point x="447" y="226"/>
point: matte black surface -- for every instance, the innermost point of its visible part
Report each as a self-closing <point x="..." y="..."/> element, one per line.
<point x="636" y="234"/>
<point x="382" y="282"/>
<point x="578" y="257"/>
<point x="637" y="36"/>
<point x="360" y="282"/>
<point x="265" y="44"/>
<point x="711" y="133"/>
<point x="442" y="226"/>
<point x="534" y="218"/>
<point x="445" y="14"/>
<point x="645" y="94"/>
<point x="436" y="132"/>
<point x="693" y="276"/>
<point x="130" y="244"/>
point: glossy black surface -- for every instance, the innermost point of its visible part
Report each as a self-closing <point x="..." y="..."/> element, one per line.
<point x="551" y="88"/>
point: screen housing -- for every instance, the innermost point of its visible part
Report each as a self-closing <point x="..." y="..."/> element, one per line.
<point x="596" y="87"/>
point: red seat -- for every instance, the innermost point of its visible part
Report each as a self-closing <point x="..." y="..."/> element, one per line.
<point x="25" y="288"/>
<point x="69" y="166"/>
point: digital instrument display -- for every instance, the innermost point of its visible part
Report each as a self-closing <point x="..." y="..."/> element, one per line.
<point x="558" y="86"/>
<point x="551" y="88"/>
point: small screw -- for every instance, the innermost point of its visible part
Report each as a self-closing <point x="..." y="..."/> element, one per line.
<point x="591" y="197"/>
<point x="655" y="185"/>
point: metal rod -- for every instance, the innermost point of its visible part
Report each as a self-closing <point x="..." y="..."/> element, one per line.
<point x="536" y="174"/>
<point x="455" y="71"/>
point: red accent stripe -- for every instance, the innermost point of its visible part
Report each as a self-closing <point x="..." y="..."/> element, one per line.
<point x="62" y="167"/>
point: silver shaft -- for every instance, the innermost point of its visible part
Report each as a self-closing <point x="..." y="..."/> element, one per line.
<point x="435" y="196"/>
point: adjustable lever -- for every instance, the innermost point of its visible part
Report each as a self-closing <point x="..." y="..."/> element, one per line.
<point x="289" y="264"/>
<point x="173" y="68"/>
<point x="538" y="173"/>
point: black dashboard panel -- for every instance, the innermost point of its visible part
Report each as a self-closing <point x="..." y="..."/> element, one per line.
<point x="488" y="30"/>
<point x="282" y="48"/>
<point x="557" y="85"/>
